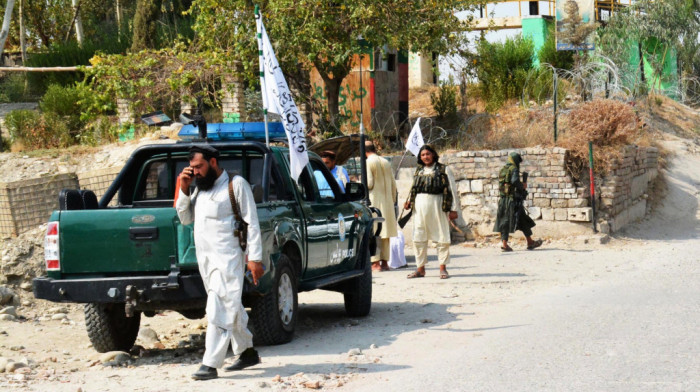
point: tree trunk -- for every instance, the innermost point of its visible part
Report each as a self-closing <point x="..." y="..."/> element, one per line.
<point x="332" y="96"/>
<point x="118" y="9"/>
<point x="78" y="22"/>
<point x="145" y="19"/>
<point x="22" y="33"/>
<point x="6" y="26"/>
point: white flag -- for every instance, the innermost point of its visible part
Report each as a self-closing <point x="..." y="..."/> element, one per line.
<point x="278" y="99"/>
<point x="415" y="139"/>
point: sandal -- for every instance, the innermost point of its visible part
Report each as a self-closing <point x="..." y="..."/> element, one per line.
<point x="415" y="274"/>
<point x="534" y="244"/>
<point x="506" y="249"/>
<point x="444" y="274"/>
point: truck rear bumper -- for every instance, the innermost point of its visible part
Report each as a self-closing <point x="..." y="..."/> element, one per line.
<point x="151" y="290"/>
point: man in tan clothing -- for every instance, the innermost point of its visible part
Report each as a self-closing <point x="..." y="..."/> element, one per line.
<point x="382" y="194"/>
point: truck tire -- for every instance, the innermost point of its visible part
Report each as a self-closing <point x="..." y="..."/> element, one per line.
<point x="108" y="327"/>
<point x="358" y="291"/>
<point x="274" y="315"/>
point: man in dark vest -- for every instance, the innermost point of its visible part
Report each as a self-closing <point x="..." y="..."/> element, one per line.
<point x="511" y="210"/>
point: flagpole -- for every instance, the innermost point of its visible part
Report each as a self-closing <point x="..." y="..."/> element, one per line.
<point x="258" y="18"/>
<point x="363" y="157"/>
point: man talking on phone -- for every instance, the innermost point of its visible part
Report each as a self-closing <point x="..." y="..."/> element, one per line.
<point x="220" y="257"/>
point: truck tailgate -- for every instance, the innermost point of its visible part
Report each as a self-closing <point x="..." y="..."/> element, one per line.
<point x="117" y="240"/>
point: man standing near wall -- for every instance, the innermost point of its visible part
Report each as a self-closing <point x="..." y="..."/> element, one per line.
<point x="220" y="257"/>
<point x="382" y="194"/>
<point x="511" y="210"/>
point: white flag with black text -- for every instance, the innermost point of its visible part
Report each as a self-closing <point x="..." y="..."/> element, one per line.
<point x="278" y="99"/>
<point x="415" y="139"/>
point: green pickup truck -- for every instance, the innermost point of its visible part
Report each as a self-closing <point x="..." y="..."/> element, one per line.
<point x="133" y="256"/>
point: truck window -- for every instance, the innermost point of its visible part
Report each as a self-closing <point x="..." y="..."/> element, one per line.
<point x="305" y="187"/>
<point x="326" y="183"/>
<point x="156" y="186"/>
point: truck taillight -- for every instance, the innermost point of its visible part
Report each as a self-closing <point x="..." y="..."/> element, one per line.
<point x="51" y="250"/>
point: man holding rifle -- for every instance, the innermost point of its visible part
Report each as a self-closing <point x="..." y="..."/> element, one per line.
<point x="511" y="210"/>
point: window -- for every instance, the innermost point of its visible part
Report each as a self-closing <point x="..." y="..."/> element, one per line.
<point x="391" y="62"/>
<point x="156" y="182"/>
<point x="326" y="183"/>
<point x="304" y="186"/>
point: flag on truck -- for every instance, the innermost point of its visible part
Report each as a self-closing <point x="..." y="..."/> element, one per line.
<point x="278" y="99"/>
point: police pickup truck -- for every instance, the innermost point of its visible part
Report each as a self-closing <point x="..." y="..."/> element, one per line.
<point x="132" y="256"/>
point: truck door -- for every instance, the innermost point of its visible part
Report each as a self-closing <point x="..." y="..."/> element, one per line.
<point x="316" y="215"/>
<point x="340" y="229"/>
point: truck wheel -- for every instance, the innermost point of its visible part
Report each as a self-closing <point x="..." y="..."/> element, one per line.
<point x="358" y="292"/>
<point x="274" y="315"/>
<point x="108" y="327"/>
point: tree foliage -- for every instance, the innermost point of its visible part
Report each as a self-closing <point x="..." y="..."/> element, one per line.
<point x="502" y="69"/>
<point x="672" y="24"/>
<point x="325" y="34"/>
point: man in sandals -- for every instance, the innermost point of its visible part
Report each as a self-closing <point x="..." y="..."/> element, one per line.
<point x="220" y="256"/>
<point x="511" y="211"/>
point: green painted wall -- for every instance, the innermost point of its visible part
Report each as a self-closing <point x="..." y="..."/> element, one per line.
<point x="535" y="27"/>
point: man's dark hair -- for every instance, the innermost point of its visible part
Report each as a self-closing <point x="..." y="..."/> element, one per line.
<point x="328" y="154"/>
<point x="369" y="146"/>
<point x="208" y="152"/>
<point x="432" y="150"/>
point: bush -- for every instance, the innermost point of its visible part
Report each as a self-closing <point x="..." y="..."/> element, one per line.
<point x="548" y="53"/>
<point x="13" y="88"/>
<point x="34" y="131"/>
<point x="64" y="103"/>
<point x="608" y="124"/>
<point x="444" y="100"/>
<point x="502" y="69"/>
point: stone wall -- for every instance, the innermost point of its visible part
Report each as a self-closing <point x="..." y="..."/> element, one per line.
<point x="559" y="205"/>
<point x="622" y="194"/>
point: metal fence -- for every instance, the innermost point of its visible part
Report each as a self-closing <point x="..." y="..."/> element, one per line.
<point x="25" y="204"/>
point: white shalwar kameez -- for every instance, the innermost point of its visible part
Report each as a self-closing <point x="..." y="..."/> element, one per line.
<point x="431" y="222"/>
<point x="222" y="262"/>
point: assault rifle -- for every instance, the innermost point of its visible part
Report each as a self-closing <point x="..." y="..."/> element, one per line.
<point x="519" y="199"/>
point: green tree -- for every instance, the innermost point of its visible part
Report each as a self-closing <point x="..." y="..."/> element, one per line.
<point x="671" y="24"/>
<point x="145" y="19"/>
<point x="325" y="34"/>
<point x="502" y="69"/>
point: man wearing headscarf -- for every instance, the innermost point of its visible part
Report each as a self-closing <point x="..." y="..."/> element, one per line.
<point x="382" y="194"/>
<point x="511" y="211"/>
<point x="220" y="256"/>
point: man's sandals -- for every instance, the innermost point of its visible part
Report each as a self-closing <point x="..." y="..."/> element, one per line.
<point x="444" y="274"/>
<point x="415" y="274"/>
<point x="534" y="244"/>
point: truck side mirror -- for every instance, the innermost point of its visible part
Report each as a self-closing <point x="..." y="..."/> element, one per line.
<point x="355" y="191"/>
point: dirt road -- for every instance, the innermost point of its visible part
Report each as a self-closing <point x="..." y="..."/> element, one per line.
<point x="575" y="315"/>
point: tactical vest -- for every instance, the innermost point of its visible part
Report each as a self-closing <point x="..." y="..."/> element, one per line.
<point x="433" y="183"/>
<point x="504" y="185"/>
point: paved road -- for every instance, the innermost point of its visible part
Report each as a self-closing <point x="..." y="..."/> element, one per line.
<point x="631" y="325"/>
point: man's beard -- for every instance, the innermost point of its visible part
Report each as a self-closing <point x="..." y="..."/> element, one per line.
<point x="207" y="182"/>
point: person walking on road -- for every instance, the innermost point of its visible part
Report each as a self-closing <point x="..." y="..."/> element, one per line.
<point x="382" y="194"/>
<point x="511" y="210"/>
<point x="433" y="203"/>
<point x="220" y="256"/>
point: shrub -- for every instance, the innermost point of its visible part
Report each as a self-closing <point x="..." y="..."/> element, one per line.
<point x="13" y="88"/>
<point x="34" y="131"/>
<point x="608" y="124"/>
<point x="444" y="100"/>
<point x="65" y="103"/>
<point x="502" y="69"/>
<point x="548" y="53"/>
